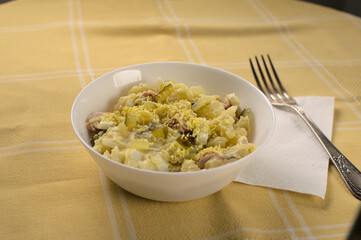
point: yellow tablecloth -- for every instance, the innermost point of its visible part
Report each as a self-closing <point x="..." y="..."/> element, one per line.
<point x="50" y="188"/>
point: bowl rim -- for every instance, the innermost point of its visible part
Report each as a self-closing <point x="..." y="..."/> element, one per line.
<point x="201" y="172"/>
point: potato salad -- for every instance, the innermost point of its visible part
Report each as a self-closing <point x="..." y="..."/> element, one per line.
<point x="173" y="128"/>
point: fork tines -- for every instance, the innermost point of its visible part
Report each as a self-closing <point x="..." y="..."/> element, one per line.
<point x="273" y="92"/>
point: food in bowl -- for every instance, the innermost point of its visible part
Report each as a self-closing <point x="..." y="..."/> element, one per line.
<point x="104" y="92"/>
<point x="172" y="128"/>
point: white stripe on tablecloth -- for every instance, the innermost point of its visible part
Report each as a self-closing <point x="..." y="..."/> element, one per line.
<point x="329" y="236"/>
<point x="215" y="21"/>
<point x="276" y="231"/>
<point x="39" y="150"/>
<point x="17" y="76"/>
<point x="189" y="36"/>
<point x="245" y="66"/>
<point x="298" y="215"/>
<point x="296" y="63"/>
<point x="281" y="213"/>
<point x="128" y="218"/>
<point x="178" y="31"/>
<point x="352" y="61"/>
<point x="30" y="28"/>
<point x="265" y="18"/>
<point x="347" y="122"/>
<point x="245" y="229"/>
<point x="23" y="144"/>
<point x="109" y="204"/>
<point x="43" y="75"/>
<point x="83" y="40"/>
<point x="74" y="43"/>
<point x="333" y="226"/>
<point x="312" y="18"/>
<point x="42" y="78"/>
<point x="347" y="128"/>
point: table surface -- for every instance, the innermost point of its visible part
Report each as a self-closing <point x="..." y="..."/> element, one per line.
<point x="50" y="50"/>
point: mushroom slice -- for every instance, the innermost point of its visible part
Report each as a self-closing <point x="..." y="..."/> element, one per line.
<point x="93" y="121"/>
<point x="206" y="157"/>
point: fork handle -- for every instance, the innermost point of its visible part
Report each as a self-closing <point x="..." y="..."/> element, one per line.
<point x="349" y="173"/>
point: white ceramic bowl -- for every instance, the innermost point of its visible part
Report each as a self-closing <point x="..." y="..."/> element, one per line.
<point x="102" y="94"/>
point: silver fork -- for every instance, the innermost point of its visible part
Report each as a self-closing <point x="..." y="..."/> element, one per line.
<point x="278" y="96"/>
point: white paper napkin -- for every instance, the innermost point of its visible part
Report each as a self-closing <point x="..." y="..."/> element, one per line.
<point x="294" y="159"/>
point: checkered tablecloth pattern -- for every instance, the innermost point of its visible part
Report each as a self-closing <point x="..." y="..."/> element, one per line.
<point x="50" y="188"/>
